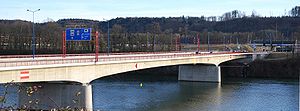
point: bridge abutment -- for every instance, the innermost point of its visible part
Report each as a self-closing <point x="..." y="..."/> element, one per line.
<point x="48" y="96"/>
<point x="206" y="73"/>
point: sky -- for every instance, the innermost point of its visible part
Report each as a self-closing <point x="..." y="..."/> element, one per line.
<point x="108" y="9"/>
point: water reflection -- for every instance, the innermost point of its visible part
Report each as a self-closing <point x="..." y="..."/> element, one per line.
<point x="155" y="95"/>
<point x="10" y="94"/>
<point x="130" y="96"/>
<point x="191" y="96"/>
<point x="173" y="95"/>
<point x="195" y="95"/>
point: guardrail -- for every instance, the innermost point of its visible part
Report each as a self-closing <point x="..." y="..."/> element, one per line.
<point x="87" y="54"/>
<point x="101" y="59"/>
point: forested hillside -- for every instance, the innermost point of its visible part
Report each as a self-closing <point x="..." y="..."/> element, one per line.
<point x="150" y="34"/>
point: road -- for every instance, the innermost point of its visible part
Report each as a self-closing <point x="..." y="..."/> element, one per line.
<point x="27" y="60"/>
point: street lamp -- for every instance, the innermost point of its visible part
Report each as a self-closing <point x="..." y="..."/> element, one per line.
<point x="208" y="42"/>
<point x="33" y="33"/>
<point x="108" y="42"/>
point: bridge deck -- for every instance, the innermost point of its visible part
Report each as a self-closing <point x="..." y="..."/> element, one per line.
<point x="26" y="60"/>
<point x="75" y="68"/>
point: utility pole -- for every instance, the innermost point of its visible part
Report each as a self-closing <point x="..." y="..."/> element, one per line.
<point x="171" y="42"/>
<point x="208" y="44"/>
<point x="237" y="43"/>
<point x="33" y="32"/>
<point x="154" y="37"/>
<point x="224" y="39"/>
<point x="198" y="42"/>
<point x="147" y="41"/>
<point x="230" y="39"/>
<point x="108" y="41"/>
<point x="276" y="31"/>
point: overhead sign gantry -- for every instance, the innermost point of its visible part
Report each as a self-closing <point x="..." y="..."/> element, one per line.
<point x="79" y="34"/>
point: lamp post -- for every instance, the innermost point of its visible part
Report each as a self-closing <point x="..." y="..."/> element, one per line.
<point x="33" y="33"/>
<point x="108" y="42"/>
<point x="208" y="42"/>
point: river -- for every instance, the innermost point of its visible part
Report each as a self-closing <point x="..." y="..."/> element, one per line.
<point x="145" y="93"/>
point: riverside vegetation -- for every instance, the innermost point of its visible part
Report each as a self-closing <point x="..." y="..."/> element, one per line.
<point x="139" y="34"/>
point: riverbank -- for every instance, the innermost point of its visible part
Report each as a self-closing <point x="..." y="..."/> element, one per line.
<point x="283" y="68"/>
<point x="276" y="65"/>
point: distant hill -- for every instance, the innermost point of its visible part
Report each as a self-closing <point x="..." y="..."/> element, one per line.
<point x="246" y="24"/>
<point x="148" y="34"/>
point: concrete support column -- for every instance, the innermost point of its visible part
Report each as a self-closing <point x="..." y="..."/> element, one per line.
<point x="88" y="97"/>
<point x="259" y="56"/>
<point x="207" y="73"/>
<point x="254" y="56"/>
<point x="48" y="96"/>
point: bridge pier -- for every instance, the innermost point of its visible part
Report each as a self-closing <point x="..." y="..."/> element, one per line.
<point x="259" y="56"/>
<point x="48" y="96"/>
<point x="206" y="73"/>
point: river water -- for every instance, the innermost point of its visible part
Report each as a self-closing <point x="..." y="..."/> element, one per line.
<point x="152" y="93"/>
<point x="168" y="94"/>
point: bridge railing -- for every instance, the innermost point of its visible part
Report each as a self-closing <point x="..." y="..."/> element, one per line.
<point x="141" y="57"/>
<point x="101" y="59"/>
<point x="45" y="62"/>
<point x="72" y="55"/>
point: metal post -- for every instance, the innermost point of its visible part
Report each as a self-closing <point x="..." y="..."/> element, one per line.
<point x="108" y="42"/>
<point x="177" y="43"/>
<point x="64" y="44"/>
<point x="198" y="42"/>
<point x="33" y="37"/>
<point x="33" y="32"/>
<point x="154" y="43"/>
<point x="224" y="39"/>
<point x="97" y="47"/>
<point x="176" y="47"/>
<point x="171" y="42"/>
<point x="208" y="44"/>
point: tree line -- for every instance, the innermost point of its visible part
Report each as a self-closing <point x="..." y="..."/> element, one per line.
<point x="149" y="34"/>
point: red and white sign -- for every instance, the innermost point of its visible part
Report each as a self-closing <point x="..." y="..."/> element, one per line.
<point x="24" y="74"/>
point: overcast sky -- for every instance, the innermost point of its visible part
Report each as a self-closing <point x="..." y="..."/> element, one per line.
<point x="99" y="9"/>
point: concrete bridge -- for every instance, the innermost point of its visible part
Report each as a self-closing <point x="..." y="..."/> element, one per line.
<point x="58" y="75"/>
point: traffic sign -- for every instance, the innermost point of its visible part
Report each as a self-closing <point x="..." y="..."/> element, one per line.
<point x="78" y="34"/>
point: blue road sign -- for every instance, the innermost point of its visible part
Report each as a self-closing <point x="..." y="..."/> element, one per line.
<point x="78" y="34"/>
